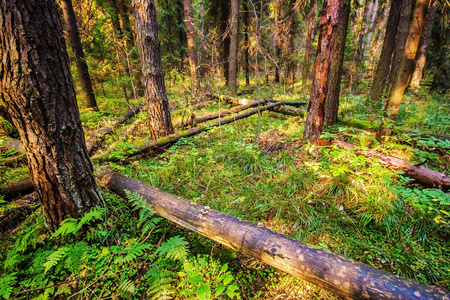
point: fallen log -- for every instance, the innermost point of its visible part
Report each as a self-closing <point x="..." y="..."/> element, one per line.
<point x="161" y="142"/>
<point x="420" y="173"/>
<point x="204" y="119"/>
<point x="326" y="269"/>
<point x="14" y="160"/>
<point x="13" y="144"/>
<point x="16" y="212"/>
<point x="96" y="140"/>
<point x="17" y="189"/>
<point x="290" y="110"/>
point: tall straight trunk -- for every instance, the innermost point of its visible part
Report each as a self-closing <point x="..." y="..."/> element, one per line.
<point x="382" y="71"/>
<point x="158" y="113"/>
<point x="77" y="48"/>
<point x="192" y="49"/>
<point x="37" y="87"/>
<point x="361" y="33"/>
<point x="379" y="28"/>
<point x="370" y="25"/>
<point x="276" y="42"/>
<point x="224" y="50"/>
<point x="309" y="39"/>
<point x="421" y="55"/>
<point x="124" y="13"/>
<point x="246" y="18"/>
<point x="400" y="40"/>
<point x="406" y="67"/>
<point x="234" y="42"/>
<point x="113" y="11"/>
<point x="202" y="43"/>
<point x="328" y="33"/>
<point x="335" y="72"/>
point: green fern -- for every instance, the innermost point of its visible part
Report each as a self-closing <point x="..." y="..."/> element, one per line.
<point x="95" y="213"/>
<point x="67" y="227"/>
<point x="132" y="252"/>
<point x="160" y="283"/>
<point x="7" y="282"/>
<point x="137" y="201"/>
<point x="175" y="248"/>
<point x="53" y="259"/>
<point x="126" y="289"/>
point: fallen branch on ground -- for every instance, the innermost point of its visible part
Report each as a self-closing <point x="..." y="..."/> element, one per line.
<point x="290" y="110"/>
<point x="16" y="212"/>
<point x="17" y="189"/>
<point x="326" y="269"/>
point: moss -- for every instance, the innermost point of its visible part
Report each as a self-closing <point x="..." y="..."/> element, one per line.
<point x="366" y="125"/>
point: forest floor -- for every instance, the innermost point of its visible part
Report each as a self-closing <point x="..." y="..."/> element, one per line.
<point x="321" y="195"/>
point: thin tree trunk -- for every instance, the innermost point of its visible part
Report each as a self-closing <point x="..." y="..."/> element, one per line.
<point x="335" y="72"/>
<point x="77" y="48"/>
<point x="309" y="38"/>
<point x="160" y="123"/>
<point x="421" y="55"/>
<point x="382" y="71"/>
<point x="406" y="67"/>
<point x="400" y="40"/>
<point x="202" y="43"/>
<point x="246" y="17"/>
<point x="328" y="33"/>
<point x="192" y="49"/>
<point x="37" y="87"/>
<point x="234" y="43"/>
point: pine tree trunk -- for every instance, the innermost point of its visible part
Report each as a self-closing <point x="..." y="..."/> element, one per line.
<point x="192" y="49"/>
<point x="309" y="39"/>
<point x="406" y="66"/>
<point x="335" y="72"/>
<point x="328" y="34"/>
<point x="77" y="48"/>
<point x="37" y="88"/>
<point x="160" y="123"/>
<point x="202" y="43"/>
<point x="382" y="71"/>
<point x="234" y="43"/>
<point x="421" y="55"/>
<point x="246" y="18"/>
<point x="400" y="40"/>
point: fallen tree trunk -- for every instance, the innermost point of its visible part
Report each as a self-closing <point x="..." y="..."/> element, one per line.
<point x="14" y="160"/>
<point x="161" y="142"/>
<point x="16" y="212"/>
<point x="17" y="189"/>
<point x="290" y="111"/>
<point x="422" y="174"/>
<point x="13" y="144"/>
<point x="326" y="269"/>
<point x="203" y="119"/>
<point x="96" y="140"/>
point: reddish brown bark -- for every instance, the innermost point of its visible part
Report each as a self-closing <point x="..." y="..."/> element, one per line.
<point x="192" y="49"/>
<point x="309" y="39"/>
<point x="37" y="87"/>
<point x="234" y="42"/>
<point x="160" y="123"/>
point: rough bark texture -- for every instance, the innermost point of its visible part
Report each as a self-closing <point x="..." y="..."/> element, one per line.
<point x="192" y="49"/>
<point x="78" y="53"/>
<point x="421" y="55"/>
<point x="246" y="17"/>
<point x="382" y="71"/>
<point x="309" y="39"/>
<point x="329" y="270"/>
<point x="37" y="87"/>
<point x="234" y="42"/>
<point x="422" y="174"/>
<point x="400" y="40"/>
<point x="328" y="29"/>
<point x="406" y="67"/>
<point x="334" y="77"/>
<point x="160" y="123"/>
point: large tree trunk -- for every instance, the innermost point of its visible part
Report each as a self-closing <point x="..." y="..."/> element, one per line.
<point x="400" y="40"/>
<point x="192" y="49"/>
<point x="234" y="42"/>
<point x="406" y="67"/>
<point x="37" y="87"/>
<point x="382" y="71"/>
<point x="160" y="123"/>
<point x="329" y="270"/>
<point x="309" y="39"/>
<point x="328" y="30"/>
<point x="77" y="48"/>
<point x="421" y="55"/>
<point x="334" y="77"/>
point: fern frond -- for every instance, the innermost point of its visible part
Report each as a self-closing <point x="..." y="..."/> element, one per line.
<point x="68" y="226"/>
<point x="53" y="259"/>
<point x="127" y="286"/>
<point x="175" y="248"/>
<point x="7" y="282"/>
<point x="160" y="283"/>
<point x="76" y="256"/>
<point x="136" y="200"/>
<point x="95" y="213"/>
<point x="132" y="252"/>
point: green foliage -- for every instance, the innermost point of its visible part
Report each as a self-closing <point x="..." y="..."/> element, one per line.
<point x="7" y="281"/>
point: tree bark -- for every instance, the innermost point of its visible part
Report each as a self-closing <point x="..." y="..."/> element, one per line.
<point x="78" y="53"/>
<point x="192" y="49"/>
<point x="328" y="30"/>
<point x="421" y="55"/>
<point x="37" y="87"/>
<point x="234" y="43"/>
<point x="329" y="270"/>
<point x="337" y="60"/>
<point x="400" y="40"/>
<point x="309" y="39"/>
<point x="406" y="67"/>
<point x="246" y="17"/>
<point x="160" y="123"/>
<point x="382" y="71"/>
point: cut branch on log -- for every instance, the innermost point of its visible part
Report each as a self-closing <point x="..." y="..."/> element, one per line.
<point x="421" y="174"/>
<point x="161" y="142"/>
<point x="96" y="140"/>
<point x="326" y="269"/>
